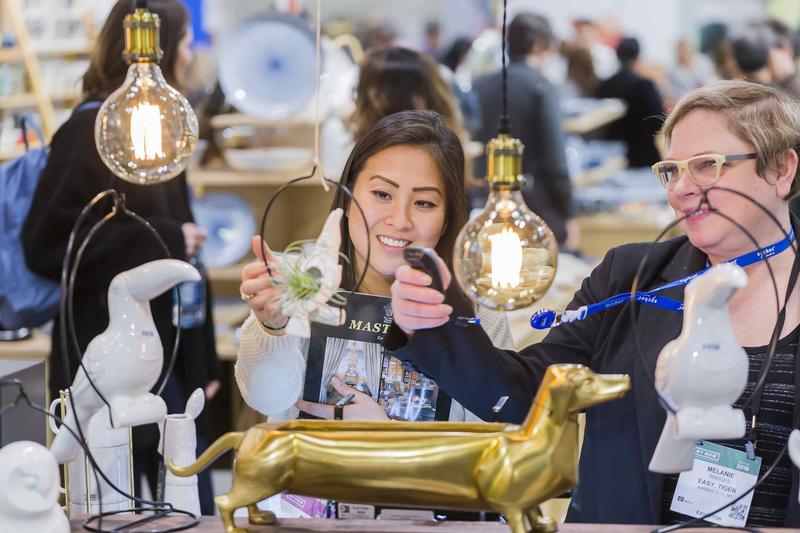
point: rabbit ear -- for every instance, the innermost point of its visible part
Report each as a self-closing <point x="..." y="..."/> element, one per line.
<point x="196" y="403"/>
<point x="330" y="237"/>
<point x="794" y="447"/>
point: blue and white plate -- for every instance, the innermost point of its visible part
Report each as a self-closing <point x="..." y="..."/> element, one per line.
<point x="267" y="66"/>
<point x="230" y="226"/>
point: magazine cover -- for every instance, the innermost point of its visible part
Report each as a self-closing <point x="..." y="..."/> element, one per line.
<point x="353" y="352"/>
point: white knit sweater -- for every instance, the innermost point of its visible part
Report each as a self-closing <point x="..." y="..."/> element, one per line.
<point x="271" y="371"/>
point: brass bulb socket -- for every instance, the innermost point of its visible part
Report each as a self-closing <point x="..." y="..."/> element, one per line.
<point x="142" y="37"/>
<point x="504" y="162"/>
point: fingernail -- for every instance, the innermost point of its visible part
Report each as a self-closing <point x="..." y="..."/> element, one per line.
<point x="335" y="380"/>
<point x="426" y="279"/>
<point x="449" y="309"/>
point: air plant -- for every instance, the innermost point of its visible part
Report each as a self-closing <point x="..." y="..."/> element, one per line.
<point x="307" y="276"/>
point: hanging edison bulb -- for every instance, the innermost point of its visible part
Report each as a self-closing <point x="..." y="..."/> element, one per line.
<point x="146" y="131"/>
<point x="506" y="257"/>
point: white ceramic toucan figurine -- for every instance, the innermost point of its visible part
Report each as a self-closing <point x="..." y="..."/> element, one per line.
<point x="29" y="490"/>
<point x="702" y="372"/>
<point x="321" y="261"/>
<point x="125" y="360"/>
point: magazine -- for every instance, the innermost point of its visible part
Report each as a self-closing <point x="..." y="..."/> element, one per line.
<point x="354" y="353"/>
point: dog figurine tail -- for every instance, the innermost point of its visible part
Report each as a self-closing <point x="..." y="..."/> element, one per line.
<point x="226" y="442"/>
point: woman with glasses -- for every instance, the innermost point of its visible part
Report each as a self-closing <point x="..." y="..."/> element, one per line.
<point x="731" y="135"/>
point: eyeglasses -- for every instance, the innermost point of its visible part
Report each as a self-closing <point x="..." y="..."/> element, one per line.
<point x="704" y="170"/>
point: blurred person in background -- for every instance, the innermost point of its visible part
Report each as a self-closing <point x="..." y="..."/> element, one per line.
<point x="432" y="41"/>
<point x="581" y="80"/>
<point x="645" y="111"/>
<point x="781" y="58"/>
<point x="603" y="56"/>
<point x="691" y="70"/>
<point x="73" y="176"/>
<point x="461" y="83"/>
<point x="533" y="106"/>
<point x="751" y="53"/>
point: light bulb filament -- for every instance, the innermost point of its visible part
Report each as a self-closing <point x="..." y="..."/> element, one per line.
<point x="506" y="259"/>
<point x="146" y="132"/>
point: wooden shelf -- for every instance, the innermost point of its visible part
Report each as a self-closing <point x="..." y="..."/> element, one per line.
<point x="65" y="96"/>
<point x="607" y="112"/>
<point x="36" y="347"/>
<point x="18" y="101"/>
<point x="14" y="54"/>
<point x="227" y="177"/>
<point x="600" y="173"/>
<point x="24" y="100"/>
<point x="51" y="51"/>
<point x="231" y="273"/>
<point x="227" y="120"/>
<point x="10" y="55"/>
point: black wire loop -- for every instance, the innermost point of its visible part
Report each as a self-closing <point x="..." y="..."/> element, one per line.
<point x="340" y="186"/>
<point x="69" y="272"/>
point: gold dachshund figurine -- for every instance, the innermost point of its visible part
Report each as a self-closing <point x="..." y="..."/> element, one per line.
<point x="444" y="465"/>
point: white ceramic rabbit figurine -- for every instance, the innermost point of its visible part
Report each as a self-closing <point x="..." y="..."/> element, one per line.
<point x="29" y="486"/>
<point x="794" y="450"/>
<point x="702" y="372"/>
<point x="179" y="444"/>
<point x="126" y="359"/>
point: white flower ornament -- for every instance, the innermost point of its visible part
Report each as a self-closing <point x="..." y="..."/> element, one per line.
<point x="309" y="275"/>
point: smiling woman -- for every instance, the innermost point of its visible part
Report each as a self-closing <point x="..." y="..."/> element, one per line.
<point x="407" y="174"/>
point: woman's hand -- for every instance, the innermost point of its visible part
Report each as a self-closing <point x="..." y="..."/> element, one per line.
<point x="257" y="289"/>
<point x="362" y="408"/>
<point x="211" y="389"/>
<point x="194" y="236"/>
<point x="414" y="304"/>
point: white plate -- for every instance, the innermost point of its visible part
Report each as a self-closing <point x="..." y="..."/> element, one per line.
<point x="267" y="66"/>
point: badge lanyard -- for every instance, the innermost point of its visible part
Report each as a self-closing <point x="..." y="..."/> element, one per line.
<point x="547" y="318"/>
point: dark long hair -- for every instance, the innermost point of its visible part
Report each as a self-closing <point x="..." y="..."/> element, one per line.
<point x="420" y="129"/>
<point x="397" y="79"/>
<point x="107" y="68"/>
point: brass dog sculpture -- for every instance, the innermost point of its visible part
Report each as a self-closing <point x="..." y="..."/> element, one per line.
<point x="464" y="466"/>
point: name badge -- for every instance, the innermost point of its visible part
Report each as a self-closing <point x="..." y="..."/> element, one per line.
<point x="719" y="475"/>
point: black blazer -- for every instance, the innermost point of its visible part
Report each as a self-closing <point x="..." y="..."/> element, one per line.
<point x="615" y="485"/>
<point x="536" y="121"/>
<point x="642" y="120"/>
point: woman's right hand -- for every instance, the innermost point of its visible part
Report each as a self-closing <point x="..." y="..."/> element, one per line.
<point x="257" y="289"/>
<point x="414" y="304"/>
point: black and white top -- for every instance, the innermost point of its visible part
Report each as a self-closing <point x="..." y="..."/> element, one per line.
<point x="773" y="427"/>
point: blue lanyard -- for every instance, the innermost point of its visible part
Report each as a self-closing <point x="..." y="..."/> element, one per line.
<point x="547" y="318"/>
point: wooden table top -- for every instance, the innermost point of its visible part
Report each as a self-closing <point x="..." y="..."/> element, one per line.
<point x="212" y="524"/>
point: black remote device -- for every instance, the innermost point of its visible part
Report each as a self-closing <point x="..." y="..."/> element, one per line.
<point x="425" y="259"/>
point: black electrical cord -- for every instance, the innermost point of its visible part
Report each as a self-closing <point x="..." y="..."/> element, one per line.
<point x="667" y="404"/>
<point x="505" y="121"/>
<point x="68" y="276"/>
<point x="340" y="186"/>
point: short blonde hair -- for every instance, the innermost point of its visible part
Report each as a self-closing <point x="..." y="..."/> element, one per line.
<point x="757" y="114"/>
